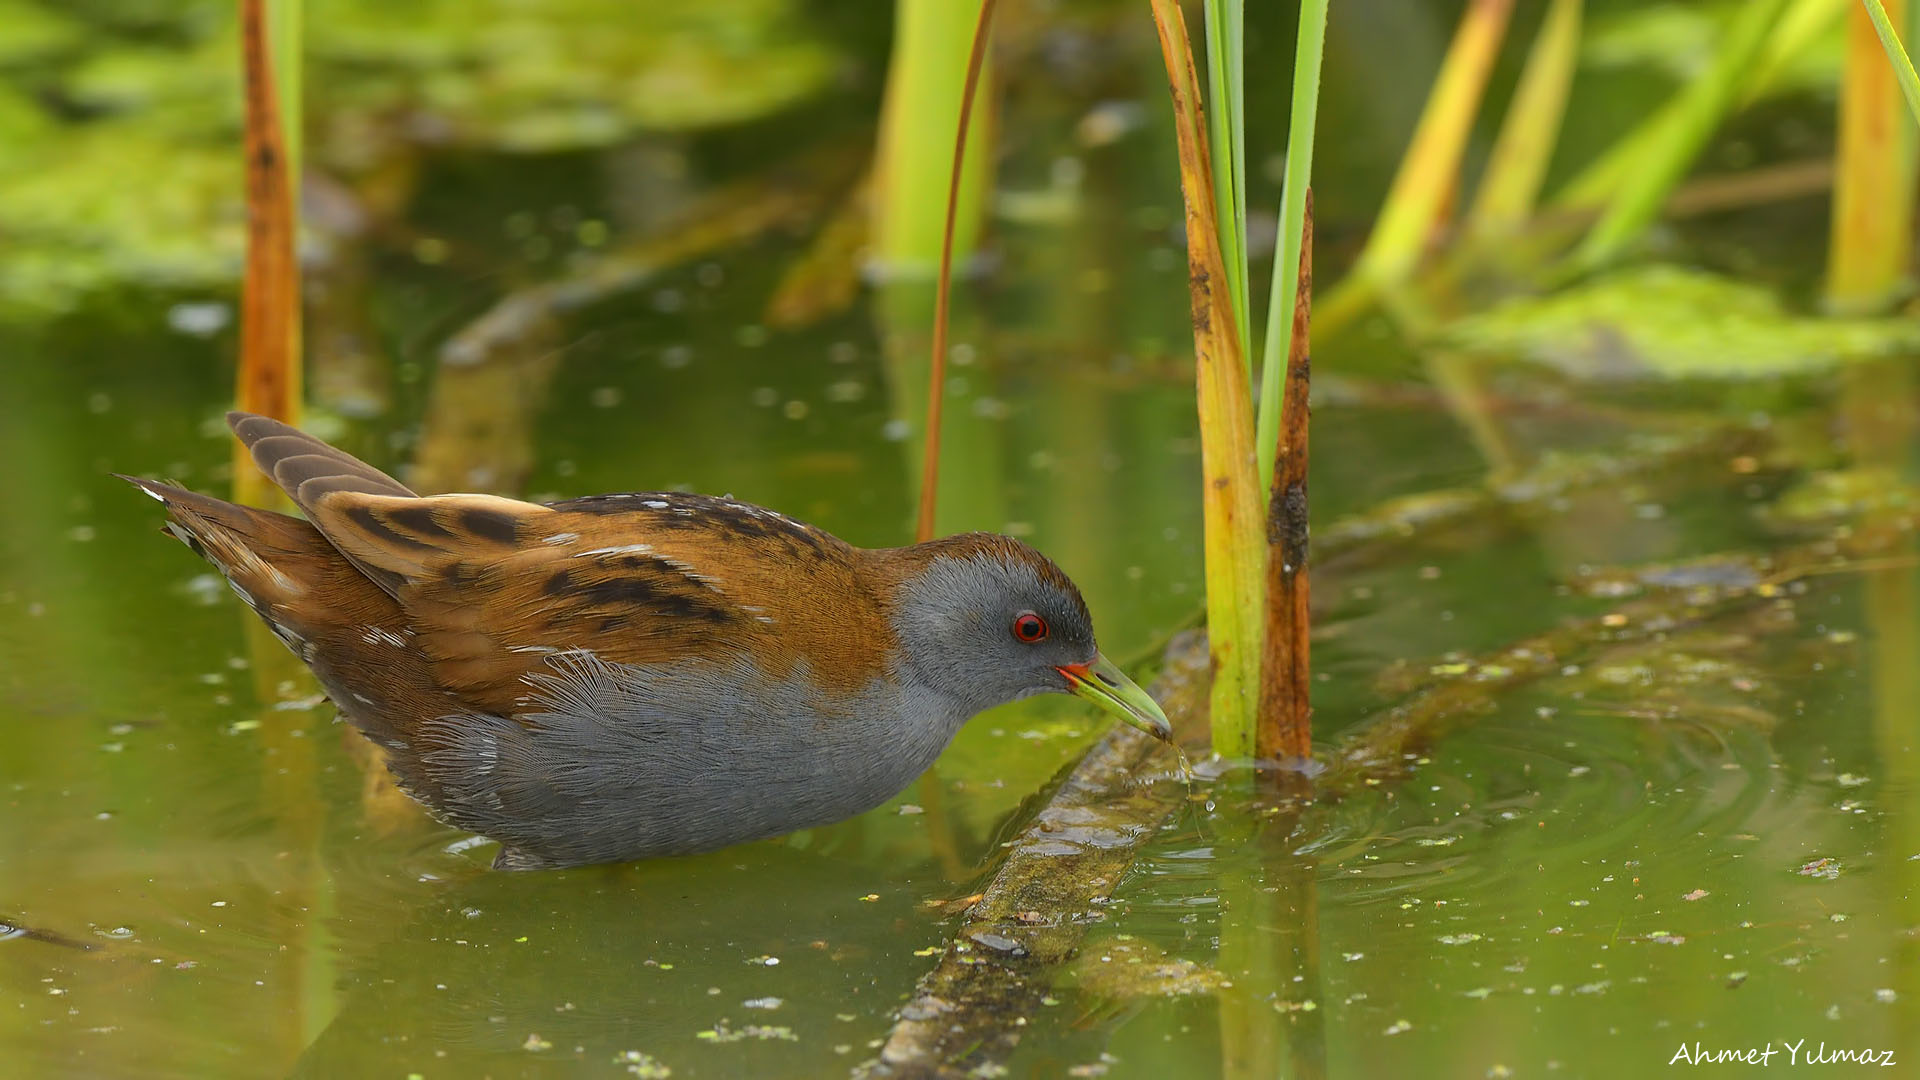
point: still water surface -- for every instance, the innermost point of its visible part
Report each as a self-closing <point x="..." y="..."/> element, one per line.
<point x="1710" y="836"/>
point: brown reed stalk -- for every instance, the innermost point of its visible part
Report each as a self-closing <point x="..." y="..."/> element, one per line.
<point x="936" y="386"/>
<point x="1284" y="729"/>
<point x="269" y="371"/>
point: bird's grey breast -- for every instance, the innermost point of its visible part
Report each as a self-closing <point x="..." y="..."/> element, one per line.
<point x="612" y="761"/>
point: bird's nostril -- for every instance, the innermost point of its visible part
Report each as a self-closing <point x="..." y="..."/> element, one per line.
<point x="1106" y="680"/>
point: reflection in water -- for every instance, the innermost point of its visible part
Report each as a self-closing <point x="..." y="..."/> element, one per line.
<point x="1610" y="845"/>
<point x="1878" y="407"/>
<point x="1581" y="853"/>
<point x="755" y="962"/>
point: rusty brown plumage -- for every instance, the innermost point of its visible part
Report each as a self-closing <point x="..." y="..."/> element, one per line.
<point x="625" y="675"/>
<point x="483" y="589"/>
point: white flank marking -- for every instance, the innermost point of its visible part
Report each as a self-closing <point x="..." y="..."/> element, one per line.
<point x="282" y="582"/>
<point x="624" y="549"/>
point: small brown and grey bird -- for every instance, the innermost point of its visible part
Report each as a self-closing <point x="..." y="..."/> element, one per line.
<point x="621" y="676"/>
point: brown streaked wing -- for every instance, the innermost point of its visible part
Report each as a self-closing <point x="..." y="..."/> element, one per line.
<point x="486" y="626"/>
<point x="395" y="540"/>
<point x="803" y="591"/>
<point x="305" y="467"/>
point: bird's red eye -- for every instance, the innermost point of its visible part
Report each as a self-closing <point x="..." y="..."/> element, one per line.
<point x="1029" y="627"/>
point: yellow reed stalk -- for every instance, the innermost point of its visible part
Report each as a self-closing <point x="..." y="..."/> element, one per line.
<point x="1424" y="185"/>
<point x="1511" y="185"/>
<point x="1870" y="247"/>
<point x="1230" y="490"/>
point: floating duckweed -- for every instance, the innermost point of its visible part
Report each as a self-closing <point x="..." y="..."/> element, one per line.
<point x="845" y="391"/>
<point x="1677" y="323"/>
<point x="643" y="1065"/>
<point x="721" y="1033"/>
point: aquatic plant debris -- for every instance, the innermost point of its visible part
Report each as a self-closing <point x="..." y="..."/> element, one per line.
<point x="721" y="1033"/>
<point x="967" y="1013"/>
<point x="1674" y="322"/>
<point x="158" y="96"/>
<point x="643" y="1065"/>
<point x="971" y="1008"/>
<point x="1129" y="970"/>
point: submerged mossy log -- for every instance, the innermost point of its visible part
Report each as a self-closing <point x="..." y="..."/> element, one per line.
<point x="972" y="1007"/>
<point x="1377" y="533"/>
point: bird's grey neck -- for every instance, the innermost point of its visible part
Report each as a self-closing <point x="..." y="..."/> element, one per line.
<point x="928" y="617"/>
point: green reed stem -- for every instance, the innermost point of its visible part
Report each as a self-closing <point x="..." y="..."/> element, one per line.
<point x="1697" y="112"/>
<point x="1510" y="186"/>
<point x="1226" y="108"/>
<point x="1590" y="188"/>
<point x="914" y="157"/>
<point x="1896" y="55"/>
<point x="1309" y="46"/>
<point x="937" y="383"/>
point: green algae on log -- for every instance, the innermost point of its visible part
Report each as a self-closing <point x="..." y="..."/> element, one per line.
<point x="1754" y="592"/>
<point x="970" y="1009"/>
